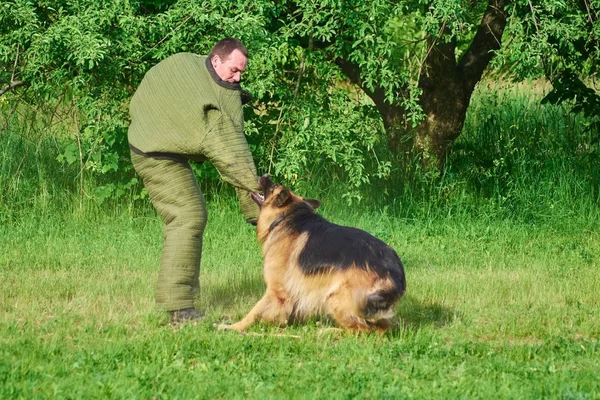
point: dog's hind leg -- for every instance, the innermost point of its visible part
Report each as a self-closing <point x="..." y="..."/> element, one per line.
<point x="381" y="325"/>
<point x="351" y="322"/>
<point x="357" y="324"/>
<point x="341" y="307"/>
<point x="274" y="307"/>
<point x="346" y="306"/>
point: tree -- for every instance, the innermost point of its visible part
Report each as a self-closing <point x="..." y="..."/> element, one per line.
<point x="331" y="78"/>
<point x="420" y="61"/>
<point x="445" y="82"/>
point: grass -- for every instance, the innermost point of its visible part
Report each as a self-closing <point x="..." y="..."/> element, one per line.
<point x="494" y="309"/>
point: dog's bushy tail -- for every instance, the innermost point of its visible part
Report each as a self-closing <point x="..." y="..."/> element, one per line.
<point x="379" y="303"/>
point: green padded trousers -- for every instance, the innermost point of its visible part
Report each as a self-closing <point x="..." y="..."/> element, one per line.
<point x="176" y="196"/>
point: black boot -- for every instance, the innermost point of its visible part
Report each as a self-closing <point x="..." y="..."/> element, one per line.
<point x="185" y="315"/>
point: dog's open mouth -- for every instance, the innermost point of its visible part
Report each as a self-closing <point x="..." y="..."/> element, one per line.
<point x="258" y="198"/>
<point x="266" y="184"/>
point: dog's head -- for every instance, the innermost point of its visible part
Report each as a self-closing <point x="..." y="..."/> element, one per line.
<point x="276" y="202"/>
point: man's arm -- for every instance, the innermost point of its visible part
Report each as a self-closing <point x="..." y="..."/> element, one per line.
<point x="226" y="147"/>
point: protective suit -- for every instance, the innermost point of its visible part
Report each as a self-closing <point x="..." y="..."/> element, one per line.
<point x="183" y="111"/>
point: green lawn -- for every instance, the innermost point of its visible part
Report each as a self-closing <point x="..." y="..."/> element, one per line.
<point x="494" y="309"/>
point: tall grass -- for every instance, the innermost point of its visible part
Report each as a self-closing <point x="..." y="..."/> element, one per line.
<point x="516" y="159"/>
<point x="533" y="162"/>
<point x="31" y="178"/>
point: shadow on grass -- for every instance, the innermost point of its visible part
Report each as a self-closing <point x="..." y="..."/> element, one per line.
<point x="225" y="295"/>
<point x="413" y="314"/>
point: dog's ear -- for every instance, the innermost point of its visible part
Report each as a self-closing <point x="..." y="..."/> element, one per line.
<point x="283" y="197"/>
<point x="314" y="203"/>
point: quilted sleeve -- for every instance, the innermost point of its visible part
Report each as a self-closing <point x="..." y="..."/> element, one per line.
<point x="226" y="147"/>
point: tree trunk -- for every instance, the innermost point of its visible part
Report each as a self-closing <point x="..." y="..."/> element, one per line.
<point x="446" y="87"/>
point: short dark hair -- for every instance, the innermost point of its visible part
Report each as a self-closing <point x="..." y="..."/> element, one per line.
<point x="225" y="47"/>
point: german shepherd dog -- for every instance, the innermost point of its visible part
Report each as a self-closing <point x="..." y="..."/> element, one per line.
<point x="312" y="267"/>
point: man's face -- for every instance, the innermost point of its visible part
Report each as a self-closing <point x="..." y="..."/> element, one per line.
<point x="230" y="68"/>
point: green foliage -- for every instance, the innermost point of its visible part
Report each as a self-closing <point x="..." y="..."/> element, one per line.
<point x="569" y="89"/>
<point x="82" y="60"/>
<point x="560" y="41"/>
<point x="316" y="127"/>
<point x="551" y="36"/>
<point x="88" y="58"/>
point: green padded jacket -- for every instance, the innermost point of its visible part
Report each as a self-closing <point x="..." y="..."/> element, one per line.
<point x="183" y="108"/>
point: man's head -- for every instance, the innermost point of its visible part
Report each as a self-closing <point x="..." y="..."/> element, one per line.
<point x="229" y="58"/>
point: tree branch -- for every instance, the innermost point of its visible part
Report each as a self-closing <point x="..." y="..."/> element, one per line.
<point x="11" y="86"/>
<point x="352" y="72"/>
<point x="487" y="39"/>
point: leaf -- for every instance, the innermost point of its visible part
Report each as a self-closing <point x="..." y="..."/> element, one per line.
<point x="306" y="123"/>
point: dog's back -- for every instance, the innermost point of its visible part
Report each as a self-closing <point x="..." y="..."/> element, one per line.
<point x="330" y="246"/>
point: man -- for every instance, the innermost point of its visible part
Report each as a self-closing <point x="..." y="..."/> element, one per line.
<point x="189" y="107"/>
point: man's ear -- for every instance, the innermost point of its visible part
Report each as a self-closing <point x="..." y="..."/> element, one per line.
<point x="314" y="203"/>
<point x="282" y="198"/>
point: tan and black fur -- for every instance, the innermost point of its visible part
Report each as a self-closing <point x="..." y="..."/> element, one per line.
<point x="315" y="267"/>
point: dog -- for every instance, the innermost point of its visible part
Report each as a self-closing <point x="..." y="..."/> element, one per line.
<point x="314" y="267"/>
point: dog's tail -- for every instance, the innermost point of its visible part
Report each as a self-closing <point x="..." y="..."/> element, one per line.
<point x="380" y="302"/>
